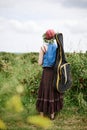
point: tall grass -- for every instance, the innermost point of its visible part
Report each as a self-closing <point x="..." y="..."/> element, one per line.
<point x="19" y="80"/>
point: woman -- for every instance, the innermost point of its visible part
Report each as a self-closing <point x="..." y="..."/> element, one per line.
<point x="49" y="101"/>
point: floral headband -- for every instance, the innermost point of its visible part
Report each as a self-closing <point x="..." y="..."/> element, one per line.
<point x="47" y="40"/>
<point x="49" y="36"/>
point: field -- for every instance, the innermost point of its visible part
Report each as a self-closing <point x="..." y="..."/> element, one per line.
<point x="19" y="81"/>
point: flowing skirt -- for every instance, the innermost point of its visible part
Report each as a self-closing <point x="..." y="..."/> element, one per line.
<point x="49" y="100"/>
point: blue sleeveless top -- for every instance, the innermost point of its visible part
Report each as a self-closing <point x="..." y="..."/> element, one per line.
<point x="50" y="55"/>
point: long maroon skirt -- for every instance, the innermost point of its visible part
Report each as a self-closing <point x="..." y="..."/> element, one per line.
<point x="49" y="100"/>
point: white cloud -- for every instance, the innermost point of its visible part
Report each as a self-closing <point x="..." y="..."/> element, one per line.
<point x="25" y="26"/>
<point x="77" y="26"/>
<point x="22" y="23"/>
<point x="42" y="4"/>
<point x="18" y="36"/>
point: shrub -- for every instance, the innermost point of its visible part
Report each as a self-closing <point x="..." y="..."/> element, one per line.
<point x="23" y="69"/>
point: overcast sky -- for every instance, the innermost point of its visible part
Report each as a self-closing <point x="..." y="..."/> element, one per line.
<point x="23" y="22"/>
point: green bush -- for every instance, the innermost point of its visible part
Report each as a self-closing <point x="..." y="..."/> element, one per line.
<point x="78" y="63"/>
<point x="23" y="69"/>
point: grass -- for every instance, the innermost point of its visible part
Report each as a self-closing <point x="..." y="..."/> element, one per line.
<point x="20" y="76"/>
<point x="67" y="119"/>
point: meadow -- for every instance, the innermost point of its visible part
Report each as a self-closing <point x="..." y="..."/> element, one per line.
<point x="19" y="81"/>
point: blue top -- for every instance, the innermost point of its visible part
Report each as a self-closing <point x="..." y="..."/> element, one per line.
<point x="50" y="55"/>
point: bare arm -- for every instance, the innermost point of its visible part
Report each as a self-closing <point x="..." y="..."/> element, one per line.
<point x="40" y="60"/>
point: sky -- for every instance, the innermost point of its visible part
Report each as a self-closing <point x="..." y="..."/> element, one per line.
<point x="23" y="22"/>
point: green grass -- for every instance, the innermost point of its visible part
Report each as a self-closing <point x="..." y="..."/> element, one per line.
<point x="67" y="119"/>
<point x="23" y="70"/>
